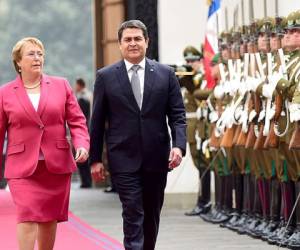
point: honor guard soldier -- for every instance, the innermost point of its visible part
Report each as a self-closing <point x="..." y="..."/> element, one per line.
<point x="284" y="84"/>
<point x="196" y="114"/>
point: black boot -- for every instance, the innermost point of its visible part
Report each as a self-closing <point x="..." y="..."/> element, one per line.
<point x="205" y="185"/>
<point x="274" y="209"/>
<point x="226" y="200"/>
<point x="203" y="204"/>
<point x="235" y="216"/>
<point x="265" y="186"/>
<point x="286" y="231"/>
<point x="212" y="213"/>
<point x="256" y="211"/>
<point x="247" y="203"/>
<point x="199" y="209"/>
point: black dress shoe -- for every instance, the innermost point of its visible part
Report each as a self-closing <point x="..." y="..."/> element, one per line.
<point x="257" y="232"/>
<point x="210" y="215"/>
<point x="206" y="208"/>
<point x="282" y="236"/>
<point x="294" y="241"/>
<point x="195" y="211"/>
<point x="271" y="227"/>
<point x="240" y="223"/>
<point x="222" y="217"/>
<point x="199" y="209"/>
<point x="110" y="189"/>
<point x="254" y="223"/>
<point x="232" y="222"/>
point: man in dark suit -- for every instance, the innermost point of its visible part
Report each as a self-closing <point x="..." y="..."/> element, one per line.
<point x="84" y="101"/>
<point x="137" y="97"/>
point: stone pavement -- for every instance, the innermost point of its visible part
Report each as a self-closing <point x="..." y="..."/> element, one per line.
<point x="177" y="232"/>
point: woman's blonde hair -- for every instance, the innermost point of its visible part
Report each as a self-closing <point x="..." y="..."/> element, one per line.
<point x="17" y="49"/>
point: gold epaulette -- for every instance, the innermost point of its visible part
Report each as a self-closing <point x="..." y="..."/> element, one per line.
<point x="184" y="73"/>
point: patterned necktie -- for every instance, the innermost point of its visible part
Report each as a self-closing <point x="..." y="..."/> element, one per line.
<point x="135" y="85"/>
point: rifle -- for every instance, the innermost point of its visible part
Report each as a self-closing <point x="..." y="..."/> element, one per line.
<point x="272" y="140"/>
<point x="232" y="131"/>
<point x="259" y="104"/>
<point x="264" y="128"/>
<point x="227" y="139"/>
<point x="214" y="140"/>
<point x="253" y="107"/>
<point x="243" y="131"/>
<point x="185" y="74"/>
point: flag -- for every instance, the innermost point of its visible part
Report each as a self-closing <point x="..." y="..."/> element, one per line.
<point x="211" y="40"/>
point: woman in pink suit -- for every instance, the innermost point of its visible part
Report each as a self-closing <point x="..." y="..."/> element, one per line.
<point x="34" y="111"/>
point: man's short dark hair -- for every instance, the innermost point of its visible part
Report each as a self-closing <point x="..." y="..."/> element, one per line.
<point x="80" y="82"/>
<point x="132" y="24"/>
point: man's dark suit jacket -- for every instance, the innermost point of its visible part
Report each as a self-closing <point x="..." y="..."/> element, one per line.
<point x="137" y="138"/>
<point x="85" y="106"/>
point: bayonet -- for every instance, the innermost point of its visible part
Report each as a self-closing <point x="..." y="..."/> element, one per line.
<point x="243" y="14"/>
<point x="226" y="20"/>
<point x="265" y="8"/>
<point x="251" y="11"/>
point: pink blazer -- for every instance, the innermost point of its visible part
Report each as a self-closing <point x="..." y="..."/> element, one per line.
<point x="30" y="131"/>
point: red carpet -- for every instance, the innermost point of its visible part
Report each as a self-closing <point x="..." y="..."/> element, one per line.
<point x="73" y="235"/>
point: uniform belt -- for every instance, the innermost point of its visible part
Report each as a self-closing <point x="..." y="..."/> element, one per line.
<point x="191" y="115"/>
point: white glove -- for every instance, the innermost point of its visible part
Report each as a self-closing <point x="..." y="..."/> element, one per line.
<point x="199" y="113"/>
<point x="198" y="140"/>
<point x="227" y="87"/>
<point x="238" y="114"/>
<point x="274" y="78"/>
<point x="252" y="83"/>
<point x="205" y="145"/>
<point x="252" y="115"/>
<point x="228" y="117"/>
<point x="219" y="92"/>
<point x="267" y="90"/>
<point x="217" y="132"/>
<point x="294" y="112"/>
<point x="271" y="113"/>
<point x="242" y="88"/>
<point x="262" y="114"/>
<point x="244" y="120"/>
<point x="213" y="116"/>
<point x="234" y="86"/>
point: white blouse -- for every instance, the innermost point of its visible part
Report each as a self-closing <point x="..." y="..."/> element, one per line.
<point x="35" y="99"/>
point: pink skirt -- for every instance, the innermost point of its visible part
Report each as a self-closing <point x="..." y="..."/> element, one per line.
<point x="41" y="197"/>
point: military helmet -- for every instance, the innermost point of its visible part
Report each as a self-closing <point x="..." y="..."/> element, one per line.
<point x="225" y="39"/>
<point x="255" y="27"/>
<point x="278" y="26"/>
<point x="191" y="53"/>
<point x="293" y="20"/>
<point x="245" y="30"/>
<point x="265" y="25"/>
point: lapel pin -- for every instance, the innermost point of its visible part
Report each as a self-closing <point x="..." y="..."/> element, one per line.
<point x="151" y="69"/>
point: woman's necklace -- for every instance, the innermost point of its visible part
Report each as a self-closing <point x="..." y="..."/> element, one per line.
<point x="33" y="86"/>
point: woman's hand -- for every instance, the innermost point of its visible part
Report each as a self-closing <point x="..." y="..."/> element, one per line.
<point x="81" y="155"/>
